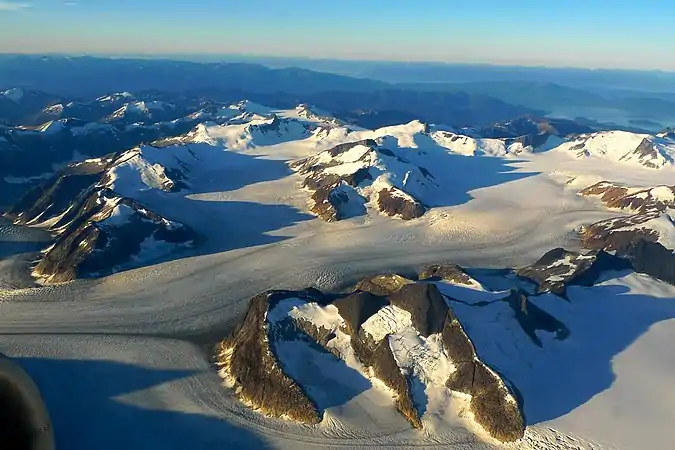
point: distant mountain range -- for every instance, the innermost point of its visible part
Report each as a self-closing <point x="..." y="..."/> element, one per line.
<point x="477" y="95"/>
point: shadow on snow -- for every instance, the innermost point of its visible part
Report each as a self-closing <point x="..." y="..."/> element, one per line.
<point x="83" y="400"/>
<point x="604" y="320"/>
<point x="459" y="175"/>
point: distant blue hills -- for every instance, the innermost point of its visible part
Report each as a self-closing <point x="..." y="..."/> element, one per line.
<point x="459" y="95"/>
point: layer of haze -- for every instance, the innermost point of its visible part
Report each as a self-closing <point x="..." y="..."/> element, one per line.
<point x="581" y="33"/>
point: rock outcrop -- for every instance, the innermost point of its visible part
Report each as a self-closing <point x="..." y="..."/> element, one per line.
<point x="99" y="227"/>
<point x="447" y="272"/>
<point x="639" y="240"/>
<point x="247" y="359"/>
<point x="559" y="268"/>
<point x="375" y="325"/>
<point x="640" y="200"/>
<point x="394" y="202"/>
<point x="645" y="239"/>
<point x="109" y="233"/>
<point x="618" y="233"/>
<point x="347" y="176"/>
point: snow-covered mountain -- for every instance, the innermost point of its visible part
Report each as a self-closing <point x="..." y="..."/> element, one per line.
<point x="347" y="176"/>
<point x="429" y="343"/>
<point x="74" y="127"/>
<point x="140" y="111"/>
<point x="645" y="236"/>
<point x="645" y="150"/>
<point x="63" y="139"/>
<point x="619" y="233"/>
<point x="399" y="171"/>
<point x="100" y="227"/>
<point x="116" y="97"/>
<point x="636" y="199"/>
<point x="394" y="334"/>
<point x="109" y="233"/>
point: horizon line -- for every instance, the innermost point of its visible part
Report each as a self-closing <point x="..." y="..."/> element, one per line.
<point x="180" y="56"/>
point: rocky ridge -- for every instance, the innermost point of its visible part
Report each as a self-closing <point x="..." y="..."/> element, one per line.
<point x="347" y="176"/>
<point x="372" y="329"/>
<point x="98" y="226"/>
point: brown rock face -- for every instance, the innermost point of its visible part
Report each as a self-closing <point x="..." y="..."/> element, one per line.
<point x="88" y="246"/>
<point x="425" y="304"/>
<point x="636" y="238"/>
<point x="383" y="284"/>
<point x="393" y="202"/>
<point x="322" y="177"/>
<point x="610" y="193"/>
<point x="638" y="247"/>
<point x="559" y="268"/>
<point x="246" y="356"/>
<point x="611" y="234"/>
<point x="553" y="271"/>
<point x="645" y="200"/>
<point x="646" y="152"/>
<point x="651" y="258"/>
<point x="447" y="272"/>
<point x="494" y="406"/>
<point x="380" y="358"/>
<point x="327" y="201"/>
<point x="358" y="307"/>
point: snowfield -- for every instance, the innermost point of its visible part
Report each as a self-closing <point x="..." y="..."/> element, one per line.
<point x="131" y="351"/>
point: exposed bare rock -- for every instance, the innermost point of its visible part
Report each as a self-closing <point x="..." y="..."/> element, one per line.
<point x="425" y="304"/>
<point x="327" y="202"/>
<point x="357" y="307"/>
<point x="336" y="202"/>
<point x="641" y="150"/>
<point x="638" y="239"/>
<point x="647" y="153"/>
<point x="98" y="228"/>
<point x="495" y="404"/>
<point x="640" y="200"/>
<point x="107" y="233"/>
<point x="383" y="284"/>
<point x="250" y="358"/>
<point x="394" y="202"/>
<point x="343" y="148"/>
<point x="618" y="233"/>
<point x="352" y="174"/>
<point x="54" y="197"/>
<point x="560" y="268"/>
<point x="60" y="193"/>
<point x="651" y="258"/>
<point x="249" y="363"/>
<point x="380" y="358"/>
<point x="446" y="272"/>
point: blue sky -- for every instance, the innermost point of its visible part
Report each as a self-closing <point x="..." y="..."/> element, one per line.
<point x="590" y="33"/>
